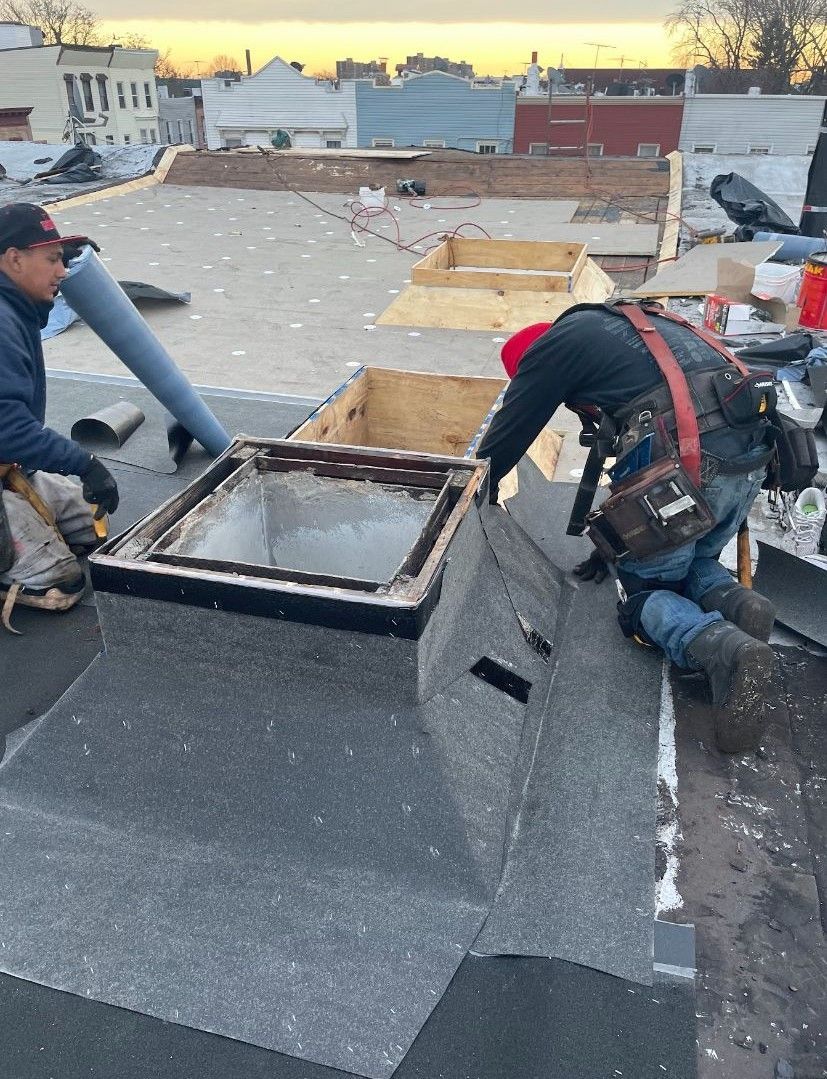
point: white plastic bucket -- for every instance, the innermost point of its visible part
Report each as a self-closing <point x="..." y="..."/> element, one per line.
<point x="774" y="281"/>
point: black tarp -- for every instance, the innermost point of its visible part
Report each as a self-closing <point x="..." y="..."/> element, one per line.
<point x="814" y="212"/>
<point x="749" y="207"/>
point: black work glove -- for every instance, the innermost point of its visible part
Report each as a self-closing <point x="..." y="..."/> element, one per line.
<point x="593" y="569"/>
<point x="99" y="488"/>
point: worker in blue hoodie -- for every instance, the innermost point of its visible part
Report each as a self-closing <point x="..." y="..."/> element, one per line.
<point x="46" y="518"/>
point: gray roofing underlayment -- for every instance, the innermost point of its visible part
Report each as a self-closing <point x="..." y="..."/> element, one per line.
<point x="292" y="836"/>
<point x="23" y="160"/>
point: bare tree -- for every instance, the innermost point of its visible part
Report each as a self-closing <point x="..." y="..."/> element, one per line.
<point x="63" y="22"/>
<point x="165" y="68"/>
<point x="782" y="42"/>
<point x="223" y="64"/>
<point x="131" y="40"/>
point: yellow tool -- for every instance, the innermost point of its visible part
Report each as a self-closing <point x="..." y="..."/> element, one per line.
<point x="744" y="557"/>
<point x="101" y="525"/>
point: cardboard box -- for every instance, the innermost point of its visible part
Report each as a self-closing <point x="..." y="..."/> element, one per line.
<point x="725" y="316"/>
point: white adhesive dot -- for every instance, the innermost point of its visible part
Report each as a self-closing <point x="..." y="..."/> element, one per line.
<point x="504" y="222"/>
<point x="371" y="326"/>
<point x="368" y="314"/>
<point x="328" y="234"/>
<point x="407" y="281"/>
<point x="440" y="220"/>
<point x="344" y="277"/>
<point x="239" y="352"/>
<point x="269" y="271"/>
<point x="106" y="259"/>
<point x="101" y="226"/>
<point x="166" y="245"/>
<point x="314" y="301"/>
<point x="498" y="340"/>
<point x="144" y="228"/>
<point x="150" y="211"/>
<point x="125" y="219"/>
<point x="311" y="241"/>
<point x="307" y="256"/>
<point x="96" y="213"/>
<point x="155" y="264"/>
<point x="393" y="291"/>
<point x="414" y="333"/>
<point x="218" y="290"/>
<point x="218" y="234"/>
<point x="267" y="228"/>
<point x="233" y="219"/>
<point x="576" y="473"/>
<point x="179" y="222"/>
<point x="352" y="363"/>
<point x="206" y="267"/>
<point x="251" y="248"/>
<point x="269" y="237"/>
<point x="508" y="235"/>
<point x="296" y="325"/>
<point x="371" y="260"/>
<point x="195" y="317"/>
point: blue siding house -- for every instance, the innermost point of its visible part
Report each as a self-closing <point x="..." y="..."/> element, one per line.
<point x="436" y="109"/>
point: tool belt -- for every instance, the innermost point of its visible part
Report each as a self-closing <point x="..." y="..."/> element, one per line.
<point x="659" y="507"/>
<point x="14" y="479"/>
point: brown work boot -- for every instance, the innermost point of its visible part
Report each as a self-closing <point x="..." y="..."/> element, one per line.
<point x="748" y="610"/>
<point x="738" y="669"/>
<point x="57" y="597"/>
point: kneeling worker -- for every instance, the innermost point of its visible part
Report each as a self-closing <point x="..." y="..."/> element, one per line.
<point x="46" y="519"/>
<point x="618" y="362"/>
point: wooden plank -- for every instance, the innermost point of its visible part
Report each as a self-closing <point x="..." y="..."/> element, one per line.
<point x="470" y="277"/>
<point x="515" y="254"/>
<point x="696" y="272"/>
<point x="412" y="410"/>
<point x="341" y="418"/>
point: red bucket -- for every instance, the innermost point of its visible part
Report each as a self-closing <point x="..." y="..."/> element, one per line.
<point x="812" y="297"/>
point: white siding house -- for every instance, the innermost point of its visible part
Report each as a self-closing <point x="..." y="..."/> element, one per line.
<point x="112" y="91"/>
<point x="746" y="124"/>
<point x="249" y="112"/>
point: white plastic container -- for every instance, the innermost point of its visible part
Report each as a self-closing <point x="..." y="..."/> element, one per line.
<point x="372" y="199"/>
<point x="774" y="281"/>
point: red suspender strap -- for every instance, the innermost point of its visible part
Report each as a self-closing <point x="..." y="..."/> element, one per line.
<point x="689" y="441"/>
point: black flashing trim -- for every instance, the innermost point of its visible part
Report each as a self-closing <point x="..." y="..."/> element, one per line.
<point x="380" y="619"/>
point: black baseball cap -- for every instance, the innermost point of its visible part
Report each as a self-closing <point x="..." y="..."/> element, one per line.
<point x="24" y="225"/>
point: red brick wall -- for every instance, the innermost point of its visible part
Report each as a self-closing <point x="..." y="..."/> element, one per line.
<point x="14" y="126"/>
<point x="620" y="124"/>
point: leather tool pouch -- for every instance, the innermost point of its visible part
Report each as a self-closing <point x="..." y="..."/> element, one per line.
<point x="795" y="461"/>
<point x="655" y="511"/>
<point x="744" y="399"/>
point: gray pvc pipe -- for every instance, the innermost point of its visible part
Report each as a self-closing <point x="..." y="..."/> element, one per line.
<point x="97" y="297"/>
<point x="793" y="248"/>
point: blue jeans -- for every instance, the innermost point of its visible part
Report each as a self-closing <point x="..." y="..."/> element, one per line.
<point x="672" y="620"/>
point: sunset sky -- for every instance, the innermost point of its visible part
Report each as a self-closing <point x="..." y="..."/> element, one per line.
<point x="304" y="33"/>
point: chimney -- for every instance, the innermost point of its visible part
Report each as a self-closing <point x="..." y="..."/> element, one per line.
<point x="249" y="62"/>
<point x="534" y="58"/>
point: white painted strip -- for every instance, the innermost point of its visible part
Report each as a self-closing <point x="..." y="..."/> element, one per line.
<point x="667" y="896"/>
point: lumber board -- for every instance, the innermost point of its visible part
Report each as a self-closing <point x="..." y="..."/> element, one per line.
<point x="520" y="265"/>
<point x="341" y="418"/>
<point x="445" y="172"/>
<point x="514" y="254"/>
<point x="696" y="272"/>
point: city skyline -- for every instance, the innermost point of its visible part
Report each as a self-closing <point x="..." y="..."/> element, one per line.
<point x="494" y="48"/>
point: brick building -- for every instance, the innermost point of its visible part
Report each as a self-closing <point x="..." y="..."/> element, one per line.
<point x="611" y="126"/>
<point x="15" y="126"/>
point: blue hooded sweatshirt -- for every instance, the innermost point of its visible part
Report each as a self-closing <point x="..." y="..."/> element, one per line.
<point x="23" y="438"/>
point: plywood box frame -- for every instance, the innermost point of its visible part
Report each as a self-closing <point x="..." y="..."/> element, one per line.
<point x="546" y="266"/>
<point x="419" y="412"/>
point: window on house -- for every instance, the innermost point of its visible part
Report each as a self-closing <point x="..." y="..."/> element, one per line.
<point x="333" y="144"/>
<point x="144" y="135"/>
<point x="703" y="148"/>
<point x="103" y="93"/>
<point x="148" y="95"/>
<point x="538" y="149"/>
<point x="88" y="102"/>
<point x="153" y="136"/>
<point x="379" y="144"/>
<point x="133" y="89"/>
<point x="70" y="89"/>
<point x="648" y="149"/>
<point x="434" y="144"/>
<point x="127" y="139"/>
<point x="110" y="139"/>
<point x="121" y="95"/>
<point x="759" y="149"/>
<point x="595" y="149"/>
<point x="486" y="147"/>
<point x="231" y="142"/>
